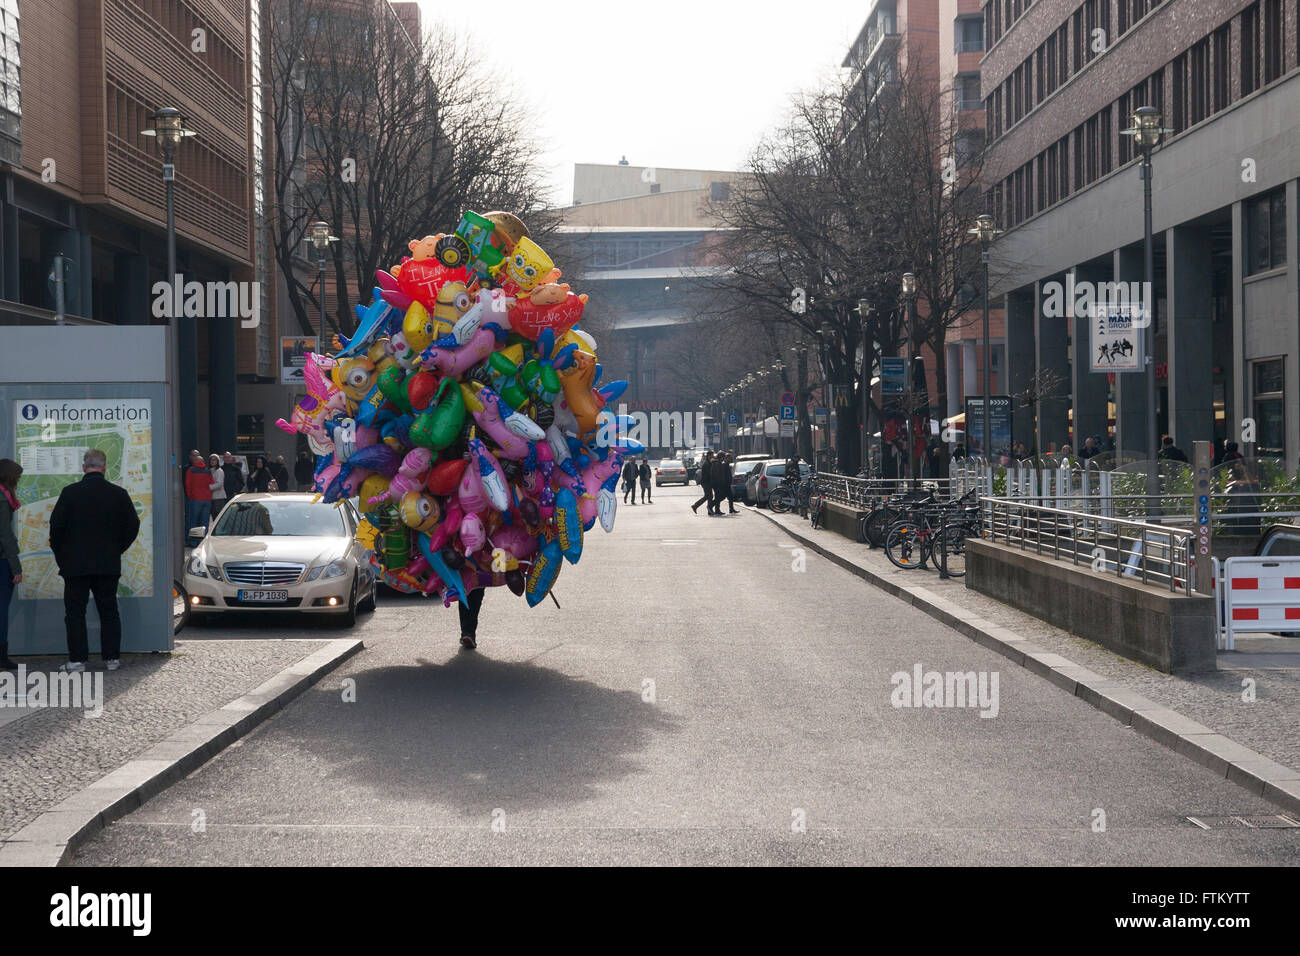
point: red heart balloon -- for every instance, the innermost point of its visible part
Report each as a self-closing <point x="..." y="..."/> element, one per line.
<point x="531" y="320"/>
<point x="420" y="389"/>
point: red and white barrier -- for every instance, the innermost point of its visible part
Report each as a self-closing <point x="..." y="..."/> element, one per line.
<point x="1260" y="594"/>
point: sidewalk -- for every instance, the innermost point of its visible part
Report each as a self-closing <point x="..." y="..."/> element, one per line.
<point x="1267" y="725"/>
<point x="50" y="754"/>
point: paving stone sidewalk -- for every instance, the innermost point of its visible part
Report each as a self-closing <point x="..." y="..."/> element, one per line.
<point x="48" y="754"/>
<point x="1270" y="724"/>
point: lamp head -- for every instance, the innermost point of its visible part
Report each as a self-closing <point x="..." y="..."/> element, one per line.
<point x="909" y="284"/>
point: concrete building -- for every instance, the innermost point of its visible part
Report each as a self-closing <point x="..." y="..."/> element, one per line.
<point x="940" y="41"/>
<point x="78" y="180"/>
<point x="1060" y="81"/>
<point x="645" y="241"/>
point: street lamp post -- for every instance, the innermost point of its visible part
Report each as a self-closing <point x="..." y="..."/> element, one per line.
<point x="828" y="397"/>
<point x="909" y="302"/>
<point x="169" y="131"/>
<point x="1146" y="129"/>
<point x="318" y="234"/>
<point x="986" y="231"/>
<point x="864" y="311"/>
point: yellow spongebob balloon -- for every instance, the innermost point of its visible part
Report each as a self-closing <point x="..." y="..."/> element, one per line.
<point x="581" y="339"/>
<point x="528" y="266"/>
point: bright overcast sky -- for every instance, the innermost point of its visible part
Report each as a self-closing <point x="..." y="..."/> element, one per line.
<point x="671" y="83"/>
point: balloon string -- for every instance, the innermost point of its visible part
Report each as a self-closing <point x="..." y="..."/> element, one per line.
<point x="552" y="594"/>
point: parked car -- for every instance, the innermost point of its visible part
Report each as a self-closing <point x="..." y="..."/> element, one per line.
<point x="739" y="471"/>
<point x="670" y="470"/>
<point x="278" y="552"/>
<point x="766" y="476"/>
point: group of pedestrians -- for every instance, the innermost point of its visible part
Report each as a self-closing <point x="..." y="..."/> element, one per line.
<point x="715" y="480"/>
<point x="210" y="484"/>
<point x="92" y="525"/>
<point x="634" y="473"/>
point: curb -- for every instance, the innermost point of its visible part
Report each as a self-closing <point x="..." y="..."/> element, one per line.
<point x="53" y="837"/>
<point x="1226" y="758"/>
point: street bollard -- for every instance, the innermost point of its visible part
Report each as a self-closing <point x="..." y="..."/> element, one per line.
<point x="943" y="552"/>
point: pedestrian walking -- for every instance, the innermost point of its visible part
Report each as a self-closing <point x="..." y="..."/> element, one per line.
<point x="629" y="480"/>
<point x="721" y="474"/>
<point x="199" y="485"/>
<point x="706" y="483"/>
<point x="1171" y="452"/>
<point x="643" y="473"/>
<point x="260" y="478"/>
<point x="469" y="618"/>
<point x="280" y="473"/>
<point x="11" y="569"/>
<point x="219" y="495"/>
<point x="235" y="472"/>
<point x="304" y="471"/>
<point x="91" y="526"/>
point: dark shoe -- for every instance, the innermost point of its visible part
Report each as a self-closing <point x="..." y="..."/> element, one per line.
<point x="695" y="508"/>
<point x="468" y="642"/>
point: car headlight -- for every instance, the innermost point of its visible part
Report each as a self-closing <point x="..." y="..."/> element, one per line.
<point x="195" y="567"/>
<point x="214" y="572"/>
<point x="335" y="569"/>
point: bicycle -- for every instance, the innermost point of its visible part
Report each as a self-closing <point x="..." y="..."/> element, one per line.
<point x="875" y="524"/>
<point x="912" y="540"/>
<point x="785" y="496"/>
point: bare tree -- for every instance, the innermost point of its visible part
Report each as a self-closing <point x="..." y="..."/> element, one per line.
<point x="387" y="137"/>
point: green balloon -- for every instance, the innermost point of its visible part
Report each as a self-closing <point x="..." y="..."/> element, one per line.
<point x="392" y="383"/>
<point x="448" y="416"/>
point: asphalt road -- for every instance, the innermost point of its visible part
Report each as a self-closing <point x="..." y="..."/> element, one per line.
<point x="767" y="735"/>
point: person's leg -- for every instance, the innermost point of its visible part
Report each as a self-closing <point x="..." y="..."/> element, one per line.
<point x="6" y="598"/>
<point x="731" y="501"/>
<point x="76" y="592"/>
<point x="110" y="622"/>
<point x="469" y="617"/>
<point x="703" y="498"/>
<point x="195" y="515"/>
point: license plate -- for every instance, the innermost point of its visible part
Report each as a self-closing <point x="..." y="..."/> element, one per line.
<point x="263" y="597"/>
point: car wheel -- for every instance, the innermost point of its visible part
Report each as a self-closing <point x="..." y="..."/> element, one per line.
<point x="369" y="603"/>
<point x="349" y="617"/>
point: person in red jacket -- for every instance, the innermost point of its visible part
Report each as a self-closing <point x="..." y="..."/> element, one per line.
<point x="198" y="496"/>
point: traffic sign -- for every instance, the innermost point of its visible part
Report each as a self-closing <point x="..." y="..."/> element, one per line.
<point x="787" y="413"/>
<point x="787" y="398"/>
<point x="820" y="415"/>
<point x="733" y="418"/>
<point x="787" y="429"/>
<point x="893" y="375"/>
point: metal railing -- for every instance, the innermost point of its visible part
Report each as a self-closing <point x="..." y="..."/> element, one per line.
<point x="864" y="493"/>
<point x="1152" y="553"/>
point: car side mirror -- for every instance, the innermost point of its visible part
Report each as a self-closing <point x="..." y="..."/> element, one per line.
<point x="198" y="532"/>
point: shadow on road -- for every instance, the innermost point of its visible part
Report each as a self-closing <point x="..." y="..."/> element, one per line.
<point x="474" y="733"/>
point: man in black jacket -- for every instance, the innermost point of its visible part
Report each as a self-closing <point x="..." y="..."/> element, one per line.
<point x="706" y="482"/>
<point x="92" y="525"/>
<point x="234" y="475"/>
<point x="721" y="473"/>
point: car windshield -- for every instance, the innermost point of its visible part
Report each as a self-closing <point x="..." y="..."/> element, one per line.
<point x="742" y="467"/>
<point x="775" y="471"/>
<point x="271" y="517"/>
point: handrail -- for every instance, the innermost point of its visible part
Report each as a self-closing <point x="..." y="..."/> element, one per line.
<point x="1157" y="552"/>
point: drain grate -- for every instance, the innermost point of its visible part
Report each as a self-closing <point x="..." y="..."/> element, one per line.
<point x="1246" y="821"/>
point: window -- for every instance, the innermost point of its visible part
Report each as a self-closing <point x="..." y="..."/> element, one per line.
<point x="1125" y="116"/>
<point x="1272" y="40"/>
<point x="1051" y="70"/>
<point x="969" y="33"/>
<point x="1179" y="102"/>
<point x="1077" y="59"/>
<point x="1270" y="410"/>
<point x="1249" y="50"/>
<point x="718" y="192"/>
<point x="1219" y="81"/>
<point x="1198" y="82"/>
<point x="1266" y="232"/>
<point x="1104" y="146"/>
<point x="1063" y="150"/>
<point x="966" y="91"/>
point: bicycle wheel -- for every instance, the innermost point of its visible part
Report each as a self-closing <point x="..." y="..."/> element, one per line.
<point x="180" y="607"/>
<point x="906" y="546"/>
<point x="780" y="502"/>
<point x="876" y="525"/>
<point x="815" y="512"/>
<point x="951" y="541"/>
